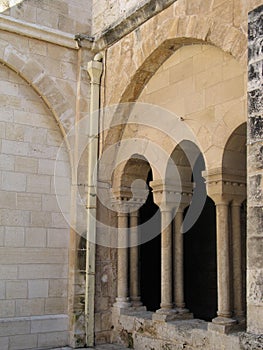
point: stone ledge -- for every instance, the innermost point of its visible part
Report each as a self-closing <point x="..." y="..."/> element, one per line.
<point x="135" y="19"/>
<point x="53" y="36"/>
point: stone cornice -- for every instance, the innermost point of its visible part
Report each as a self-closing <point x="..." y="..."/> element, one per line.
<point x="134" y="18"/>
<point x="34" y="31"/>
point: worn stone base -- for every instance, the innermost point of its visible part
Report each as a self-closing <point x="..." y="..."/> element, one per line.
<point x="171" y="315"/>
<point x="139" y="331"/>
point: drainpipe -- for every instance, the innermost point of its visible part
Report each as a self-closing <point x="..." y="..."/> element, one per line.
<point x="94" y="69"/>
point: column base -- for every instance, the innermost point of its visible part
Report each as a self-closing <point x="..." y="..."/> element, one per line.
<point x="222" y="325"/>
<point x="136" y="302"/>
<point x="184" y="314"/>
<point x="122" y="303"/>
<point x="164" y="315"/>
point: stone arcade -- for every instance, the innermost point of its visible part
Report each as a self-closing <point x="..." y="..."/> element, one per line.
<point x="131" y="174"/>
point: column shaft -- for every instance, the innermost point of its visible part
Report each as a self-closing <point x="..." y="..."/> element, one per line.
<point x="178" y="261"/>
<point x="122" y="289"/>
<point x="134" y="261"/>
<point x="223" y="260"/>
<point x="166" y="260"/>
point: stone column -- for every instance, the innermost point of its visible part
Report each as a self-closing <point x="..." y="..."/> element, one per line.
<point x="166" y="198"/>
<point x="237" y="260"/>
<point x="223" y="265"/>
<point x="134" y="260"/>
<point x="179" y="262"/>
<point x="122" y="300"/>
<point x="166" y="312"/>
<point x="166" y="259"/>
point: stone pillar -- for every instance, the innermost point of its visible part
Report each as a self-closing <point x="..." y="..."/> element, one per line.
<point x="255" y="176"/>
<point x="167" y="199"/>
<point x="134" y="261"/>
<point x="122" y="300"/>
<point x="237" y="260"/>
<point x="223" y="265"/>
<point x="166" y="259"/>
<point x="179" y="262"/>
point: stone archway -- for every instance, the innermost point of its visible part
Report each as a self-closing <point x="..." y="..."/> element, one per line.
<point x="142" y="53"/>
<point x="234" y="167"/>
<point x="34" y="74"/>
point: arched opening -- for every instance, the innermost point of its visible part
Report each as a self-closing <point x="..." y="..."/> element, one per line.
<point x="200" y="264"/>
<point x="150" y="256"/>
<point x="131" y="181"/>
<point x="199" y="233"/>
<point x="234" y="170"/>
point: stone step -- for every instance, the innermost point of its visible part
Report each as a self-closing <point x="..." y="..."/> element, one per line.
<point x="98" y="347"/>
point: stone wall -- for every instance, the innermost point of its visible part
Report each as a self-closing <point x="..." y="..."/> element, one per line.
<point x="105" y="13"/>
<point x="71" y="16"/>
<point x="206" y="88"/>
<point x="44" y="90"/>
<point x="255" y="151"/>
<point x="34" y="236"/>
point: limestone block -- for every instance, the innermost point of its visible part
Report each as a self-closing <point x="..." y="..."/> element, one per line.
<point x="57" y="238"/>
<point x="13" y="181"/>
<point x="55" y="306"/>
<point x="197" y="103"/>
<point x="46" y="166"/>
<point x="4" y="343"/>
<point x="8" y="272"/>
<point x="49" y="203"/>
<point x="14" y="327"/>
<point x="28" y="201"/>
<point x="16" y="289"/>
<point x="225" y="91"/>
<point x="58" y="288"/>
<point x="41" y="120"/>
<point x="38" y="183"/>
<point x="35" y="237"/>
<point x="26" y="164"/>
<point x="7" y="308"/>
<point x="59" y="221"/>
<point x="46" y="16"/>
<point x="14" y="217"/>
<point x="7" y="199"/>
<point x="40" y="219"/>
<point x="8" y="116"/>
<point x="37" y="271"/>
<point x="255" y="246"/>
<point x="53" y="339"/>
<point x="54" y="137"/>
<point x="29" y="307"/>
<point x="14" y="147"/>
<point x="61" y="54"/>
<point x="14" y="57"/>
<point x="38" y="289"/>
<point x="2" y="233"/>
<point x="32" y="70"/>
<point x="20" y="342"/>
<point x="208" y="78"/>
<point x="37" y="47"/>
<point x="14" y="236"/>
<point x="15" y="132"/>
<point x="207" y="59"/>
<point x="45" y="324"/>
<point x="7" y="162"/>
<point x="42" y="151"/>
<point x="255" y="320"/>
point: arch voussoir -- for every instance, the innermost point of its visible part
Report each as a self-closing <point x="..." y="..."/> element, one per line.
<point x="45" y="86"/>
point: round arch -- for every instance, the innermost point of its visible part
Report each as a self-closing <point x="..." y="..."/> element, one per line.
<point x="34" y="74"/>
<point x="160" y="37"/>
